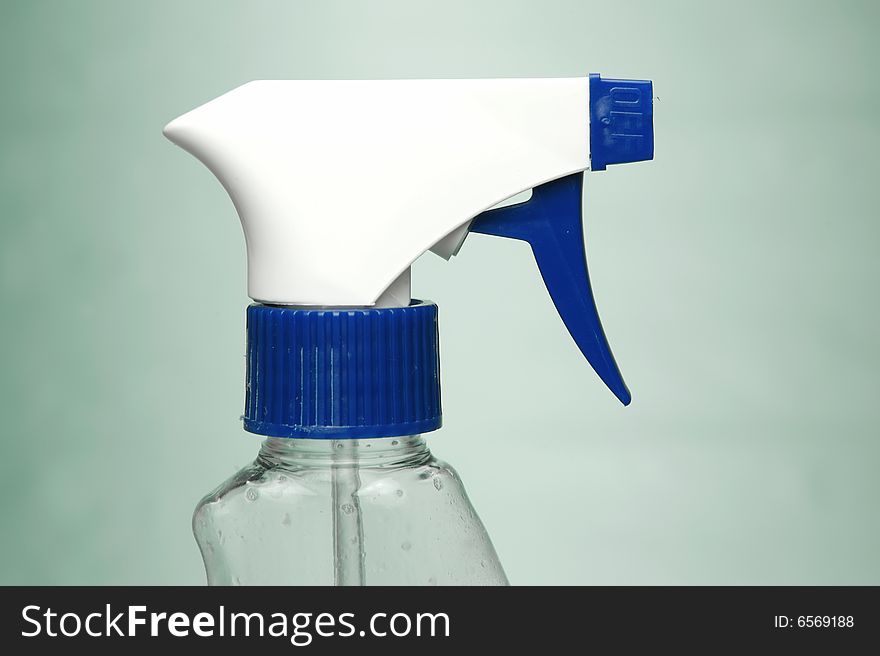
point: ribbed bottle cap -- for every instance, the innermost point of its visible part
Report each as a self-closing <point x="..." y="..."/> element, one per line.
<point x="342" y="373"/>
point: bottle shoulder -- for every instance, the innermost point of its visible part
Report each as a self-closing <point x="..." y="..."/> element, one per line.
<point x="280" y="480"/>
<point x="249" y="473"/>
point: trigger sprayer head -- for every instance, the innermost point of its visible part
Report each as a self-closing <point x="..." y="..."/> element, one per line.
<point x="335" y="185"/>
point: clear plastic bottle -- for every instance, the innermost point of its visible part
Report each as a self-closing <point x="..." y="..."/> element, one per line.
<point x="344" y="512"/>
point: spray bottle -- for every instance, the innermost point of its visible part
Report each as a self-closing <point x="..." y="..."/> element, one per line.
<point x="340" y="187"/>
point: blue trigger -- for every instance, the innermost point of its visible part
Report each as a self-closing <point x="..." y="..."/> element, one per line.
<point x="551" y="222"/>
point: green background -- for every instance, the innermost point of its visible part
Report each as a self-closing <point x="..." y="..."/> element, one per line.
<point x="736" y="276"/>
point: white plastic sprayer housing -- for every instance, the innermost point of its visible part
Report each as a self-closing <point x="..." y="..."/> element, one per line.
<point x="340" y="185"/>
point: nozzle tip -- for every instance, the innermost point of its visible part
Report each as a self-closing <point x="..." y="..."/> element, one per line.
<point x="621" y="121"/>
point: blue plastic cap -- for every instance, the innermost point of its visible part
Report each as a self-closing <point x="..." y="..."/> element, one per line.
<point x="337" y="374"/>
<point x="621" y="121"/>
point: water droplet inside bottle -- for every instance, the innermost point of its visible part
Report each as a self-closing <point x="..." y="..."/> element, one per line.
<point x="399" y="493"/>
<point x="347" y="508"/>
<point x="286" y="520"/>
<point x="395" y="443"/>
<point x="406" y="546"/>
<point x="438" y="484"/>
<point x="252" y="495"/>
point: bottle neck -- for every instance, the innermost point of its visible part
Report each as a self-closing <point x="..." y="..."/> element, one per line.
<point x="382" y="452"/>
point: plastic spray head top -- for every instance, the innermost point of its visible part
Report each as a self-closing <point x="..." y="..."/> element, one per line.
<point x="341" y="185"/>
